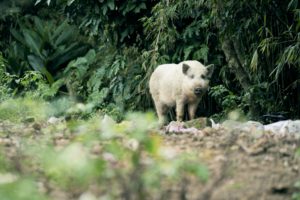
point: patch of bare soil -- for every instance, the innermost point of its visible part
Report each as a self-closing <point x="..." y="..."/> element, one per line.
<point x="242" y="166"/>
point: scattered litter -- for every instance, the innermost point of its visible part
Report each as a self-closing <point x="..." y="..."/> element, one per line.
<point x="281" y="128"/>
<point x="254" y="128"/>
<point x="215" y="125"/>
<point x="178" y="127"/>
<point x="284" y="127"/>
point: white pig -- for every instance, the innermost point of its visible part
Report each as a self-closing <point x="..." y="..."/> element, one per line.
<point x="179" y="85"/>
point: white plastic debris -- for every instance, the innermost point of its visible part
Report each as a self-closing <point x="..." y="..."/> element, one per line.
<point x="281" y="128"/>
<point x="55" y="120"/>
<point x="214" y="125"/>
<point x="178" y="127"/>
<point x="255" y="128"/>
<point x="284" y="127"/>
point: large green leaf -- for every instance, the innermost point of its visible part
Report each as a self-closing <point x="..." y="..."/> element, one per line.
<point x="39" y="65"/>
<point x="61" y="50"/>
<point x="18" y="36"/>
<point x="254" y="61"/>
<point x="33" y="41"/>
<point x="65" y="35"/>
<point x="62" y="58"/>
<point x="90" y="56"/>
<point x="292" y="5"/>
<point x="42" y="28"/>
<point x="57" y="32"/>
<point x="111" y="4"/>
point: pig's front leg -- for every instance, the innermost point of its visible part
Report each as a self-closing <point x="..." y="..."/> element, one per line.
<point x="192" y="110"/>
<point x="179" y="110"/>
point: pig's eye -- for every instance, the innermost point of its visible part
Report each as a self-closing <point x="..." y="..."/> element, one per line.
<point x="192" y="76"/>
<point x="203" y="76"/>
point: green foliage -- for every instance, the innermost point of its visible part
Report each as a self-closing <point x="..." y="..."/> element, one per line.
<point x="33" y="84"/>
<point x="4" y="163"/>
<point x="224" y="97"/>
<point x="76" y="72"/>
<point x="46" y="46"/>
<point x="109" y="80"/>
<point x="68" y="167"/>
<point x="6" y="81"/>
<point x="26" y="188"/>
<point x="130" y="38"/>
<point x="296" y="195"/>
<point x="20" y="109"/>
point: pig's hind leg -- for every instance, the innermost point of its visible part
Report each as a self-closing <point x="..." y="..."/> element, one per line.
<point x="161" y="110"/>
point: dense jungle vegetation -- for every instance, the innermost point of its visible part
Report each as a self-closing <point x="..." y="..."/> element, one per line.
<point x="77" y="121"/>
<point x="103" y="52"/>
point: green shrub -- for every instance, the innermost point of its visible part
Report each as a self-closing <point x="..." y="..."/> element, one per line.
<point x="19" y="109"/>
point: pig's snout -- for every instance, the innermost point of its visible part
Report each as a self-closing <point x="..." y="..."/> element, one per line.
<point x="199" y="91"/>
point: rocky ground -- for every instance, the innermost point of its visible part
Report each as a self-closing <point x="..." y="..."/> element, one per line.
<point x="243" y="163"/>
<point x="246" y="163"/>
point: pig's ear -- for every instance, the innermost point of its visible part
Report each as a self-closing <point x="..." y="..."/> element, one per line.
<point x="185" y="68"/>
<point x="210" y="69"/>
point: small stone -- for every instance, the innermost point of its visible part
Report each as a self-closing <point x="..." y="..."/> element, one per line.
<point x="210" y="145"/>
<point x="219" y="158"/>
<point x="295" y="168"/>
<point x="55" y="120"/>
<point x="269" y="158"/>
<point x="37" y="126"/>
<point x="62" y="142"/>
<point x="7" y="178"/>
<point x="132" y="144"/>
<point x="208" y="130"/>
<point x="96" y="149"/>
<point x="59" y="136"/>
<point x="58" y="194"/>
<point x="41" y="187"/>
<point x="198" y="123"/>
<point x="87" y="196"/>
<point x="109" y="157"/>
<point x="5" y="141"/>
<point x="234" y="147"/>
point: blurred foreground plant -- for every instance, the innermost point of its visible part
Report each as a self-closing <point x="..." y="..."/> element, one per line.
<point x="121" y="160"/>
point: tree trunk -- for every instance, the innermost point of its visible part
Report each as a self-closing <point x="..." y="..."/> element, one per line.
<point x="235" y="57"/>
<point x="235" y="63"/>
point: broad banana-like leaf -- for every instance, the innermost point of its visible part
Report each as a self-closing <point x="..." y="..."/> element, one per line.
<point x="39" y="65"/>
<point x="18" y="36"/>
<point x="58" y="31"/>
<point x="62" y="58"/>
<point x="64" y="36"/>
<point x="33" y="41"/>
<point x="42" y="28"/>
